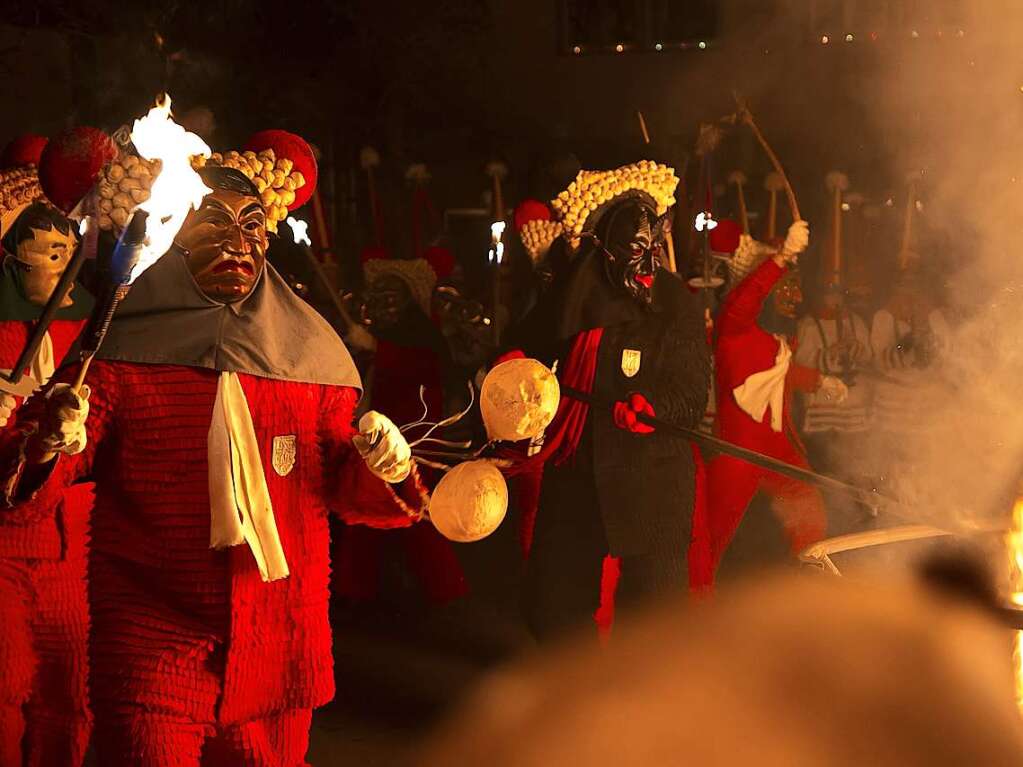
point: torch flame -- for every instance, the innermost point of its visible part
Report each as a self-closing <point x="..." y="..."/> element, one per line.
<point x="299" y="230"/>
<point x="497" y="245"/>
<point x="1014" y="541"/>
<point x="176" y="189"/>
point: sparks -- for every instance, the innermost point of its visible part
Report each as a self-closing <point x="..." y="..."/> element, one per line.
<point x="177" y="188"/>
<point x="299" y="230"/>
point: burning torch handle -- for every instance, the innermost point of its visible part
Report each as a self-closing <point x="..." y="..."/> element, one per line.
<point x="123" y="262"/>
<point x="96" y="330"/>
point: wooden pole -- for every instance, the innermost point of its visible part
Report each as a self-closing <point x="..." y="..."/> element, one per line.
<point x="772" y="216"/>
<point x="907" y="226"/>
<point x="747" y="116"/>
<point x="642" y="127"/>
<point x="836" y="245"/>
<point x="743" y="213"/>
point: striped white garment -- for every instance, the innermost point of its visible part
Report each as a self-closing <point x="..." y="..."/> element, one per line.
<point x="815" y="336"/>
<point x="905" y="397"/>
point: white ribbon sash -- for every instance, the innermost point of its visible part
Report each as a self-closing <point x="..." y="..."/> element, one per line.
<point x="766" y="388"/>
<point x="240" y="506"/>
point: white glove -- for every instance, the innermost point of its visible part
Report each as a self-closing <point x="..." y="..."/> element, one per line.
<point x="383" y="448"/>
<point x="833" y="389"/>
<point x="64" y="430"/>
<point x="797" y="239"/>
<point x="7" y="405"/>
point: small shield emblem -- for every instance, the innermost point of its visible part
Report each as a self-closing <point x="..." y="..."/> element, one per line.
<point x="631" y="360"/>
<point x="284" y="454"/>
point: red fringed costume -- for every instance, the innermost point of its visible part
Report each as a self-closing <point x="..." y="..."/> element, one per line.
<point x="189" y="643"/>
<point x="743" y="349"/>
<point x="44" y="612"/>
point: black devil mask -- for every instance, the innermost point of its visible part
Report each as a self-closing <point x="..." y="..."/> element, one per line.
<point x="631" y="236"/>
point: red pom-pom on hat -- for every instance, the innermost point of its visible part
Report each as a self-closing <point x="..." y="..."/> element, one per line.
<point x="724" y="238"/>
<point x="530" y="210"/>
<point x="23" y="150"/>
<point x="71" y="163"/>
<point x="441" y="260"/>
<point x="294" y="148"/>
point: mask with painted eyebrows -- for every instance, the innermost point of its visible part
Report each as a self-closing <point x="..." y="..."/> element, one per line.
<point x="225" y="243"/>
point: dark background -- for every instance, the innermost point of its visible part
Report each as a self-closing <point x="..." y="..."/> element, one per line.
<point x="457" y="83"/>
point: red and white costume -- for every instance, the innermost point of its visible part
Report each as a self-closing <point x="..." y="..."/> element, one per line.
<point x="44" y="612"/>
<point x="205" y="650"/>
<point x="755" y="373"/>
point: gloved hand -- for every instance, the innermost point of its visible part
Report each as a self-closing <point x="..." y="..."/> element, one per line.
<point x="62" y="428"/>
<point x="7" y="405"/>
<point x="796" y="241"/>
<point x="834" y="389"/>
<point x="383" y="448"/>
<point x="625" y="413"/>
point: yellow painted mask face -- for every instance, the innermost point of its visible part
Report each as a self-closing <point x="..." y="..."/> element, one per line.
<point x="43" y="258"/>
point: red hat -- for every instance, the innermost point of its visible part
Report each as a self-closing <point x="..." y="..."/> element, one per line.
<point x="23" y="150"/>
<point x="71" y="163"/>
<point x="295" y="148"/>
<point x="724" y="238"/>
<point x="530" y="210"/>
<point x="441" y="259"/>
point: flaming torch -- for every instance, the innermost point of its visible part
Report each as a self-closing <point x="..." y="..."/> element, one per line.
<point x="150" y="231"/>
<point x="1014" y="542"/>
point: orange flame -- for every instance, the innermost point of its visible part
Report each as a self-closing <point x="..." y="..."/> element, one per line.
<point x="177" y="188"/>
<point x="1014" y="541"/>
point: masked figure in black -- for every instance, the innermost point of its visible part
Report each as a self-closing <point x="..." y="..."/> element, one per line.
<point x="630" y="334"/>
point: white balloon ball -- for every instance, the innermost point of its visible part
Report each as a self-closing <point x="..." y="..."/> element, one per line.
<point x="470" y="501"/>
<point x="518" y="400"/>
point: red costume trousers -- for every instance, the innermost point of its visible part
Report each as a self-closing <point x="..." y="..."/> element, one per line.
<point x="733" y="483"/>
<point x="138" y="737"/>
<point x="44" y="626"/>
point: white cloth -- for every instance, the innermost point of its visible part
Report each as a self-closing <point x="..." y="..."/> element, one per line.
<point x="40" y="370"/>
<point x="766" y="388"/>
<point x="43" y="364"/>
<point x="240" y="507"/>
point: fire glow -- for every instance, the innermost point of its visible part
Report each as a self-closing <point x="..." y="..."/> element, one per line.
<point x="299" y="231"/>
<point x="497" y="245"/>
<point x="1014" y="541"/>
<point x="176" y="189"/>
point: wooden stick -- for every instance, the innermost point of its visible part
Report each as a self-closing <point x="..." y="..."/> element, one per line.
<point x="335" y="299"/>
<point x="907" y="226"/>
<point x="669" y="240"/>
<point x="742" y="207"/>
<point x="836" y="253"/>
<point x="642" y="127"/>
<point x="322" y="233"/>
<point x="772" y="215"/>
<point x="793" y="205"/>
<point x="76" y="387"/>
